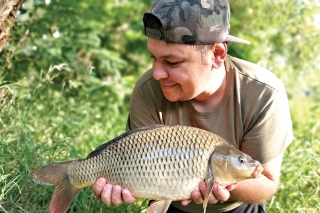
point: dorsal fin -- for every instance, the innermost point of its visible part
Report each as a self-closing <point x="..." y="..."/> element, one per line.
<point x="100" y="148"/>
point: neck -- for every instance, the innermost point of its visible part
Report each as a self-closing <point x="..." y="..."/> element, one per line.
<point x="214" y="94"/>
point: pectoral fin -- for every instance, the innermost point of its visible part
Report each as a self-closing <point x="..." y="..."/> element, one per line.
<point x="160" y="206"/>
<point x="210" y="184"/>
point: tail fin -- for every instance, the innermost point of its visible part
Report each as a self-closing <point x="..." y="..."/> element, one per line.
<point x="57" y="175"/>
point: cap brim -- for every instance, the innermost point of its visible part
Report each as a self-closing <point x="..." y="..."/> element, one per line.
<point x="234" y="39"/>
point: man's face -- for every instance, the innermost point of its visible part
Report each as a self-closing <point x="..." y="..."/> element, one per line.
<point x="182" y="72"/>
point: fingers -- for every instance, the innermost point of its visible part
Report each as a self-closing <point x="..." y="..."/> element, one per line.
<point x="203" y="189"/>
<point x="116" y="196"/>
<point x="185" y="202"/>
<point x="127" y="196"/>
<point x="218" y="193"/>
<point x="110" y="194"/>
<point x="106" y="194"/>
<point x="197" y="197"/>
<point x="230" y="187"/>
<point x="98" y="186"/>
<point x="222" y="194"/>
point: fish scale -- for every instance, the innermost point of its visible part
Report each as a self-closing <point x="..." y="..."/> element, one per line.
<point x="131" y="164"/>
<point x="163" y="163"/>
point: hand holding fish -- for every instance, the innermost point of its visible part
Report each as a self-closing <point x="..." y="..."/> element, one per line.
<point x="116" y="195"/>
<point x="110" y="194"/>
<point x="218" y="193"/>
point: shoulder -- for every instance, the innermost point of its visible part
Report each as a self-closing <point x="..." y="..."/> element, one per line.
<point x="148" y="90"/>
<point x="147" y="100"/>
<point x="147" y="85"/>
<point x="249" y="72"/>
<point x="146" y="78"/>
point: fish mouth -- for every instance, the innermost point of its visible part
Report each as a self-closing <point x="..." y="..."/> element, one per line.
<point x="257" y="171"/>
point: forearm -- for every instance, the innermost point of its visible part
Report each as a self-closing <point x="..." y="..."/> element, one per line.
<point x="254" y="190"/>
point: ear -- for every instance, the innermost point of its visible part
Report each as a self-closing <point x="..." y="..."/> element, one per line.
<point x="220" y="53"/>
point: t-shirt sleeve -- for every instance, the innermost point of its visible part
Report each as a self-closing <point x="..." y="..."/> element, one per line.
<point x="270" y="132"/>
<point x="146" y="105"/>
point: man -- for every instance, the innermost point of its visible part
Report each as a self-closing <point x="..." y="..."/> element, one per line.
<point x="194" y="82"/>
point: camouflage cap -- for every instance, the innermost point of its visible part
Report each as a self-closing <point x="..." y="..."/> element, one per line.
<point x="191" y="22"/>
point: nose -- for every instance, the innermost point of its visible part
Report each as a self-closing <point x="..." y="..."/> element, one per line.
<point x="158" y="71"/>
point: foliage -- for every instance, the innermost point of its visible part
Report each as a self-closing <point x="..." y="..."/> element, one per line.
<point x="40" y="126"/>
<point x="86" y="35"/>
<point x="284" y="36"/>
<point x="67" y="74"/>
<point x="300" y="187"/>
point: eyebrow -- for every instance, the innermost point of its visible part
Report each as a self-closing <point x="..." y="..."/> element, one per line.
<point x="170" y="55"/>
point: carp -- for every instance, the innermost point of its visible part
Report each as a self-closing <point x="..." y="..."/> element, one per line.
<point x="160" y="163"/>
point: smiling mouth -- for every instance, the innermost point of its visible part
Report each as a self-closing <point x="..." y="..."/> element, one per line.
<point x="169" y="86"/>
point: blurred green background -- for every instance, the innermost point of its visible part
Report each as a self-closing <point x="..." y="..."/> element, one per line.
<point x="67" y="73"/>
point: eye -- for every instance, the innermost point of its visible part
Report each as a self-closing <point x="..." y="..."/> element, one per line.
<point x="172" y="64"/>
<point x="241" y="160"/>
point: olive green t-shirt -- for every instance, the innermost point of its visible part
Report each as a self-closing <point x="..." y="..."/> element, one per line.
<point x="253" y="115"/>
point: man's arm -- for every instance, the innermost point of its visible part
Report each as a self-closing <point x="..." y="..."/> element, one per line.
<point x="260" y="189"/>
<point x="248" y="191"/>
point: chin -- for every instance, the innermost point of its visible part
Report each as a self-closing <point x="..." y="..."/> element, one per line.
<point x="174" y="98"/>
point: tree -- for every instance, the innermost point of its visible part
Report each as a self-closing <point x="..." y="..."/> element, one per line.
<point x="8" y="11"/>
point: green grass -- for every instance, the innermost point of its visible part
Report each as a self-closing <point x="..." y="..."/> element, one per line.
<point x="40" y="124"/>
<point x="300" y="187"/>
<point x="43" y="121"/>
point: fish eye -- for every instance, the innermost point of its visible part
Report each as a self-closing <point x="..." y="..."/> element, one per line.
<point x="241" y="159"/>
